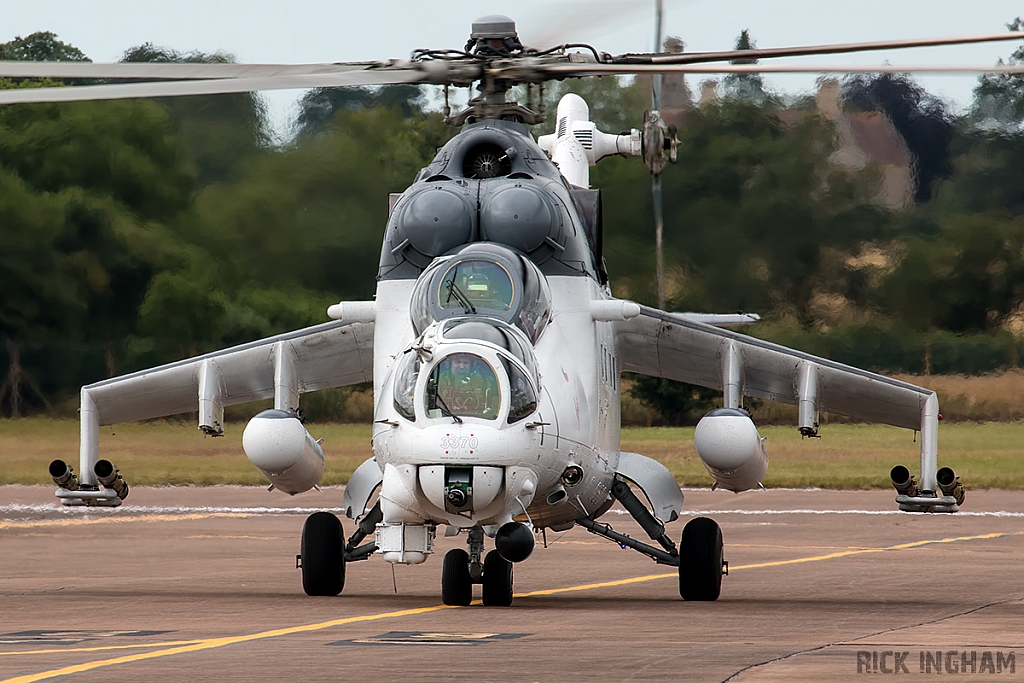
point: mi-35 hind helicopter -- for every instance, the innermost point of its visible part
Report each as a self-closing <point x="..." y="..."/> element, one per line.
<point x="494" y="343"/>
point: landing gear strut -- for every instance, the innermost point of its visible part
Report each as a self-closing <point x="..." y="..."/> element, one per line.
<point x="699" y="557"/>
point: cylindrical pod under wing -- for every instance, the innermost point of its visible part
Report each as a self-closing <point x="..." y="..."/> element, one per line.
<point x="731" y="449"/>
<point x="277" y="443"/>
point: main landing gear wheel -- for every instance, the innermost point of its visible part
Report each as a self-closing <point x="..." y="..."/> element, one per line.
<point x="456" y="583"/>
<point x="323" y="555"/>
<point x="700" y="560"/>
<point x="497" y="580"/>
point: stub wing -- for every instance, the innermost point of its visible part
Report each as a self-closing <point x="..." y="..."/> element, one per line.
<point x="668" y="345"/>
<point x="333" y="354"/>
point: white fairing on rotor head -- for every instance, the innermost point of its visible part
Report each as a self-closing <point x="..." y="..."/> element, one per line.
<point x="571" y="159"/>
<point x="731" y="449"/>
<point x="577" y="144"/>
<point x="280" y="447"/>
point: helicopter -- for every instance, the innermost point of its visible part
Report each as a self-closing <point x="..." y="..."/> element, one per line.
<point x="494" y="343"/>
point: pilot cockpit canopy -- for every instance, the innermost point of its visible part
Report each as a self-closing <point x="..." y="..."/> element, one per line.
<point x="483" y="279"/>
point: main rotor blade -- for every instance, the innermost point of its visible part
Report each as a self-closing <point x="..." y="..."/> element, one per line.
<point x="211" y="87"/>
<point x="175" y="71"/>
<point x="838" y="48"/>
<point x="568" y="70"/>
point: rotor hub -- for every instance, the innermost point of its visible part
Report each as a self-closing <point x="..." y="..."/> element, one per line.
<point x="494" y="35"/>
<point x="494" y="26"/>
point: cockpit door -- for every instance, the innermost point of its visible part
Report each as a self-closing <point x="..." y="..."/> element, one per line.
<point x="547" y="414"/>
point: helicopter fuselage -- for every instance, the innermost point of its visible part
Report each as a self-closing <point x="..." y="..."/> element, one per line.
<point x="494" y="344"/>
<point x="487" y="258"/>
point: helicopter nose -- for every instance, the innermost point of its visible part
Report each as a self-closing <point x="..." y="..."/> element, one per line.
<point x="478" y="492"/>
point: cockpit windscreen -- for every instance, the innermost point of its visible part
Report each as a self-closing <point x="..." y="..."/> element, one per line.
<point x="476" y="283"/>
<point x="463" y="385"/>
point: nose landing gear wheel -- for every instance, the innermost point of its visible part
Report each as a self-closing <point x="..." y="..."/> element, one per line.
<point x="700" y="560"/>
<point x="323" y="555"/>
<point x="497" y="580"/>
<point x="456" y="583"/>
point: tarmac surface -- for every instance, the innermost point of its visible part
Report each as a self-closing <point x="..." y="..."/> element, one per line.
<point x="185" y="584"/>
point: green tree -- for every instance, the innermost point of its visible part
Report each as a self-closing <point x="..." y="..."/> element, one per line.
<point x="999" y="99"/>
<point x="678" y="403"/>
<point x="298" y="230"/>
<point x="964" y="246"/>
<point x="216" y="132"/>
<point x="74" y="266"/>
<point x="968" y="278"/>
<point x="319" y="106"/>
<point x="42" y="46"/>
<point x="39" y="293"/>
<point x="751" y="210"/>
<point x="88" y="191"/>
<point x="920" y="119"/>
<point x="748" y="87"/>
<point x="120" y="148"/>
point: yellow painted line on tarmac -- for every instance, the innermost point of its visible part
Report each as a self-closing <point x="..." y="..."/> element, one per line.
<point x="33" y="524"/>
<point x="211" y="643"/>
<point x="577" y="543"/>
<point x="585" y="587"/>
<point x="761" y="565"/>
<point x="848" y="553"/>
<point x="245" y="538"/>
<point x="799" y="547"/>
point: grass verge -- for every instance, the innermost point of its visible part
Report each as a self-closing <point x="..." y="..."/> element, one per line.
<point x="849" y="456"/>
<point x="852" y="456"/>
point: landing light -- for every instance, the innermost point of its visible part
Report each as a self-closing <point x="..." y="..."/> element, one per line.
<point x="572" y="475"/>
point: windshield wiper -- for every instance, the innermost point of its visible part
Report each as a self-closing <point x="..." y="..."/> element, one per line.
<point x="445" y="410"/>
<point x="460" y="298"/>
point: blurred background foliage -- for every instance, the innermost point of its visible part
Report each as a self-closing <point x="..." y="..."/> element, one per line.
<point x="138" y="232"/>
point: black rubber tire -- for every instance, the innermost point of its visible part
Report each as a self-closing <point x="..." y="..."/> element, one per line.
<point x="700" y="560"/>
<point x="456" y="583"/>
<point x="497" y="580"/>
<point x="323" y="555"/>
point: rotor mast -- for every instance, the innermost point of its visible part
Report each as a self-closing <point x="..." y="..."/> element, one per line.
<point x="494" y="39"/>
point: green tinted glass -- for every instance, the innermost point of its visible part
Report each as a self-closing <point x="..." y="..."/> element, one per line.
<point x="471" y="284"/>
<point x="465" y="385"/>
